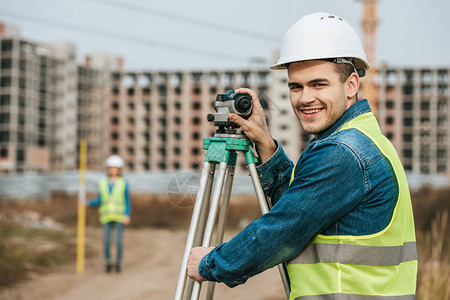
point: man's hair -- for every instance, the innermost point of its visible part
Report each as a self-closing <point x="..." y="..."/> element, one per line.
<point x="344" y="70"/>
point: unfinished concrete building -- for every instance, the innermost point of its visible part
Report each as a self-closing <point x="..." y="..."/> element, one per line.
<point x="48" y="104"/>
<point x="414" y="114"/>
<point x="93" y="109"/>
<point x="38" y="105"/>
<point x="158" y="119"/>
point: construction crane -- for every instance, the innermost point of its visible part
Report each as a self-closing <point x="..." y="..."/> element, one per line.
<point x="369" y="26"/>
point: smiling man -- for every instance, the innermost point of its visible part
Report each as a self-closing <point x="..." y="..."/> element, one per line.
<point x="318" y="96"/>
<point x="342" y="218"/>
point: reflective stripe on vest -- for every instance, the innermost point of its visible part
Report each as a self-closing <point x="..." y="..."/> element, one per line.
<point x="377" y="266"/>
<point x="112" y="207"/>
<point x="355" y="254"/>
<point x="354" y="297"/>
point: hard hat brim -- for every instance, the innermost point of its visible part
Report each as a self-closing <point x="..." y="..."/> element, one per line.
<point x="360" y="63"/>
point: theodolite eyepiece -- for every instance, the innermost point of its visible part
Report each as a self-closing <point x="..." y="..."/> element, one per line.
<point x="227" y="103"/>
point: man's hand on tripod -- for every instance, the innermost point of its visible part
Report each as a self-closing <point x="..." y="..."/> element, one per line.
<point x="255" y="127"/>
<point x="197" y="253"/>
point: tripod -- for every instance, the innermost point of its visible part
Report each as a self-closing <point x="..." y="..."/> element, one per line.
<point x="222" y="150"/>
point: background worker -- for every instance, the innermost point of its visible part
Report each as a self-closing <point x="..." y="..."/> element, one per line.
<point x="342" y="216"/>
<point x="115" y="208"/>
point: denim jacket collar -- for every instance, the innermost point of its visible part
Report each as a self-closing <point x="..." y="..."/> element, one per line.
<point x="359" y="108"/>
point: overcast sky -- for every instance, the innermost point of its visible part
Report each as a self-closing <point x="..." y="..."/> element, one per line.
<point x="202" y="34"/>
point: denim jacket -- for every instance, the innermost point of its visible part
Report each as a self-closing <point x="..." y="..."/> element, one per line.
<point x="343" y="185"/>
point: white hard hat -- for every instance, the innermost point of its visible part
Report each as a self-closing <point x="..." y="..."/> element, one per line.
<point x="114" y="161"/>
<point x="322" y="36"/>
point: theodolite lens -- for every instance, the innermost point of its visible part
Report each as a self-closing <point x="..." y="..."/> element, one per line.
<point x="243" y="104"/>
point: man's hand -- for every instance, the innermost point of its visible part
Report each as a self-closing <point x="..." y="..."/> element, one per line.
<point x="126" y="220"/>
<point x="197" y="253"/>
<point x="256" y="127"/>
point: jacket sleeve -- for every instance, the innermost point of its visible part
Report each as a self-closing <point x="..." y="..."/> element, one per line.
<point x="127" y="200"/>
<point x="325" y="188"/>
<point x="96" y="201"/>
<point x="275" y="174"/>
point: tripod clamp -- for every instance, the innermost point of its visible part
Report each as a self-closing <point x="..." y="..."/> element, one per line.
<point x="223" y="147"/>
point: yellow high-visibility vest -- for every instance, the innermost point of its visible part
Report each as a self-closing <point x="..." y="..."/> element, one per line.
<point x="382" y="265"/>
<point x="112" y="206"/>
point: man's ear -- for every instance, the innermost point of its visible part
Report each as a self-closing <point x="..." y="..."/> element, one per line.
<point x="352" y="85"/>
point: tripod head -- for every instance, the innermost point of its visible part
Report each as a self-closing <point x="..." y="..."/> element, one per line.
<point x="227" y="103"/>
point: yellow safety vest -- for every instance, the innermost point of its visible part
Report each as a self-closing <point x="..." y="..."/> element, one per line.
<point x="112" y="206"/>
<point x="378" y="266"/>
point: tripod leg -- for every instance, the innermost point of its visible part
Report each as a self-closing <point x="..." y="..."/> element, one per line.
<point x="225" y="204"/>
<point x="204" y="211"/>
<point x="217" y="190"/>
<point x="201" y="226"/>
<point x="264" y="205"/>
<point x="222" y="220"/>
<point x="207" y="169"/>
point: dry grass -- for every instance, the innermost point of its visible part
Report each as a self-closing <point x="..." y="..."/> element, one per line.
<point x="24" y="250"/>
<point x="434" y="260"/>
<point x="427" y="202"/>
<point x="431" y="209"/>
<point x="430" y="212"/>
<point x="161" y="211"/>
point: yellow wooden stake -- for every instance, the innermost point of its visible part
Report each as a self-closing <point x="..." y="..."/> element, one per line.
<point x="81" y="208"/>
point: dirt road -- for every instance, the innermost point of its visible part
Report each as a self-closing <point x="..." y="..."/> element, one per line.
<point x="151" y="263"/>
